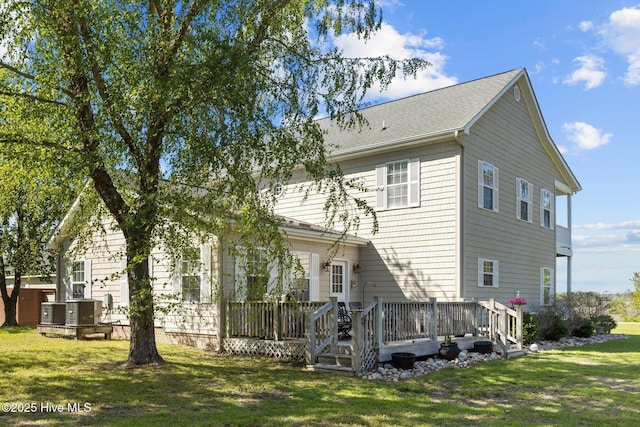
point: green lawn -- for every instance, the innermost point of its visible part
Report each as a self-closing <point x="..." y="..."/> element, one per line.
<point x="591" y="385"/>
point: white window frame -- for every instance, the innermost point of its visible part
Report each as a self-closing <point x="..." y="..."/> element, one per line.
<point x="201" y="269"/>
<point x="191" y="273"/>
<point x="524" y="199"/>
<point x="84" y="283"/>
<point x="492" y="186"/>
<point x="243" y="273"/>
<point x="495" y="274"/>
<point x="411" y="187"/>
<point x="547" y="284"/>
<point x="544" y="209"/>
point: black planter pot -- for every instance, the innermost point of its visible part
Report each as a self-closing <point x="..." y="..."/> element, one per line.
<point x="403" y="360"/>
<point x="449" y="351"/>
<point x="483" y="347"/>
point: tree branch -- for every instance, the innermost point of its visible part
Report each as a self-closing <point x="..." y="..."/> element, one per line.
<point x="29" y="76"/>
<point x="102" y="86"/>
<point x="33" y="97"/>
<point x="40" y="143"/>
<point x="195" y="9"/>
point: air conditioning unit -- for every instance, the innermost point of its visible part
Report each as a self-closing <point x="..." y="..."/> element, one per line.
<point x="52" y="313"/>
<point x="83" y="312"/>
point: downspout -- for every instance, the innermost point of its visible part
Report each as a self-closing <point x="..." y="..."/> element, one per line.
<point x="460" y="216"/>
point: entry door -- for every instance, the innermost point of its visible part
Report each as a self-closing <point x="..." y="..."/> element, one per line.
<point x="338" y="280"/>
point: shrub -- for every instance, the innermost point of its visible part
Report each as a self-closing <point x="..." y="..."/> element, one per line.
<point x="551" y="326"/>
<point x="604" y="324"/>
<point x="584" y="328"/>
<point x="529" y="328"/>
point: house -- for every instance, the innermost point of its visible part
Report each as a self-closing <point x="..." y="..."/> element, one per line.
<point x="466" y="183"/>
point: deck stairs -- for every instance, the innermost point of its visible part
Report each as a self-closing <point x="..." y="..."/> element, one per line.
<point x="339" y="359"/>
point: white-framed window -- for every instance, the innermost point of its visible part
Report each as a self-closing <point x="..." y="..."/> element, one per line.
<point x="546" y="285"/>
<point x="398" y="184"/>
<point x="78" y="280"/>
<point x="487" y="186"/>
<point x="255" y="277"/>
<point x="191" y="279"/>
<point x="524" y="196"/>
<point x="546" y="209"/>
<point x="487" y="273"/>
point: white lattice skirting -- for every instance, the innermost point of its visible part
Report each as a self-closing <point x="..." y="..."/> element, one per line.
<point x="281" y="349"/>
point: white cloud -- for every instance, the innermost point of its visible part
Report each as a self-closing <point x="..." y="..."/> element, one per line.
<point x="586" y="25"/>
<point x="622" y="34"/>
<point x="607" y="238"/>
<point x="592" y="72"/>
<point x="602" y="226"/>
<point x="388" y="41"/>
<point x="584" y="136"/>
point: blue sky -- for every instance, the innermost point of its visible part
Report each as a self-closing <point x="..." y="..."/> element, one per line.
<point x="583" y="58"/>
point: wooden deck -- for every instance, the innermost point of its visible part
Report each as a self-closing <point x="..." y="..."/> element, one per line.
<point x="77" y="332"/>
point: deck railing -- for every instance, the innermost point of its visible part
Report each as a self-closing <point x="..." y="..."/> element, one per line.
<point x="501" y="324"/>
<point x="378" y="325"/>
<point x="268" y="320"/>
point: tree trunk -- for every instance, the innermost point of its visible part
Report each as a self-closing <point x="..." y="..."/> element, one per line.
<point x="10" y="303"/>
<point x="142" y="346"/>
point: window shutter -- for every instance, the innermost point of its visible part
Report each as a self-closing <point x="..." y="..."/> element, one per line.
<point x="87" y="279"/>
<point x="314" y="277"/>
<point x="240" y="278"/>
<point x="205" y="276"/>
<point x="414" y="182"/>
<point x="124" y="283"/>
<point x="381" y="187"/>
<point x="496" y="183"/>
<point x="273" y="277"/>
<point x="480" y="186"/>
<point x="530" y="203"/>
<point x="518" y="199"/>
<point x="480" y="272"/>
<point x="68" y="280"/>
<point x="176" y="278"/>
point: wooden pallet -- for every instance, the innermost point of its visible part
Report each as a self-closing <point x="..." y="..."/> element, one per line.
<point x="77" y="332"/>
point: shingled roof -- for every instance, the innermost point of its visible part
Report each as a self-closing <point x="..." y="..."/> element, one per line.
<point x="429" y="114"/>
<point x="438" y="115"/>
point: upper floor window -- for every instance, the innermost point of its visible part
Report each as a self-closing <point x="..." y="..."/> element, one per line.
<point x="546" y="208"/>
<point x="487" y="186"/>
<point x="524" y="194"/>
<point x="398" y="184"/>
<point x="487" y="273"/>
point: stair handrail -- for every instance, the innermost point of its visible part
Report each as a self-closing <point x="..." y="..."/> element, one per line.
<point x="314" y="348"/>
<point x="505" y="324"/>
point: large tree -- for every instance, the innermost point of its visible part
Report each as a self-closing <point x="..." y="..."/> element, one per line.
<point x="35" y="193"/>
<point x="220" y="94"/>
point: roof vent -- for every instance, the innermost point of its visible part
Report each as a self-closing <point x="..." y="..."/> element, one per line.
<point x="384" y="126"/>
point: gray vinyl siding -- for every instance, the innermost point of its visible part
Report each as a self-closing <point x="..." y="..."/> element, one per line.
<point x="413" y="255"/>
<point x="505" y="137"/>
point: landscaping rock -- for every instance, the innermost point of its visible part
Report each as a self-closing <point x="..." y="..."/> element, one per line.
<point x="465" y="359"/>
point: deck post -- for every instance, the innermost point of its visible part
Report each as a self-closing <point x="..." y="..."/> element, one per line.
<point x="311" y="337"/>
<point x="519" y="331"/>
<point x="378" y="321"/>
<point x="334" y="309"/>
<point x="277" y="327"/>
<point x="503" y="330"/>
<point x="357" y="341"/>
<point x="433" y="324"/>
<point x="476" y="313"/>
